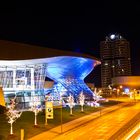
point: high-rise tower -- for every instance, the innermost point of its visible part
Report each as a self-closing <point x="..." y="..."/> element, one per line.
<point x="115" y="58"/>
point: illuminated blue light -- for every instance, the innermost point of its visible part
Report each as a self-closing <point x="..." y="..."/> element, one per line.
<point x="126" y="90"/>
<point x="70" y="73"/>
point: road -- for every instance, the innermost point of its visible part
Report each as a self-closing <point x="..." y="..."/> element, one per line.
<point x="102" y="128"/>
<point x="135" y="136"/>
<point x="93" y="127"/>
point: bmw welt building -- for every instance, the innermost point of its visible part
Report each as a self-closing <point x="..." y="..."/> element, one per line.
<point x="23" y="69"/>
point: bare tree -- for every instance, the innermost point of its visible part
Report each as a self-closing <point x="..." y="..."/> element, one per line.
<point x="82" y="100"/>
<point x="12" y="114"/>
<point x="71" y="103"/>
<point x="36" y="108"/>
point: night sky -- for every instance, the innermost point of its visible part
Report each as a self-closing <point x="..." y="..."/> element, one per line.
<point x="78" y="26"/>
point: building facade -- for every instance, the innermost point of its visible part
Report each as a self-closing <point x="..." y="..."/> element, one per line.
<point x="24" y="68"/>
<point x="115" y="58"/>
<point x="25" y="78"/>
<point x="132" y="82"/>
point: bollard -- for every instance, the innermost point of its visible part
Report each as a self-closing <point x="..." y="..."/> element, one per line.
<point x="22" y="134"/>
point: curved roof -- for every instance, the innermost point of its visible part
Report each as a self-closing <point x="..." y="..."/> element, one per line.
<point x="69" y="71"/>
<point x="19" y="51"/>
<point x="57" y="59"/>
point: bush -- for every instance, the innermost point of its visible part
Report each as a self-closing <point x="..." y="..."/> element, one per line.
<point x="2" y="109"/>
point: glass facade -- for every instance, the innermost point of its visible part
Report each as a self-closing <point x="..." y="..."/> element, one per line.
<point x="26" y="78"/>
<point x="6" y="79"/>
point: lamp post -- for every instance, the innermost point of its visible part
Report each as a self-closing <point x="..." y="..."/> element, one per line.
<point x="46" y="99"/>
<point x="134" y="95"/>
<point x="121" y="87"/>
<point x="118" y="90"/>
<point x="110" y="89"/>
<point x="61" y="114"/>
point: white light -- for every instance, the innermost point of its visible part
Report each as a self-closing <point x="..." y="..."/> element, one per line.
<point x="106" y="64"/>
<point x="126" y="90"/>
<point x="112" y="36"/>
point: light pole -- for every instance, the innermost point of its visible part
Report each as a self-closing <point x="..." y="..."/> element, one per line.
<point x="61" y="116"/>
<point x="134" y="95"/>
<point x="118" y="90"/>
<point x="121" y="87"/>
<point x="100" y="110"/>
<point x="46" y="99"/>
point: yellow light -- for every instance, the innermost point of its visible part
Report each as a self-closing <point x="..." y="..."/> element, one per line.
<point x="2" y="100"/>
<point x="22" y="134"/>
<point x="121" y="86"/>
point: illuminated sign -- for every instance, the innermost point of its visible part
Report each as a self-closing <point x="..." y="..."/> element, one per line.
<point x="49" y="110"/>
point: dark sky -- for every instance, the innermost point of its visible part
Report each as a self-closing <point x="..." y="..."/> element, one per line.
<point x="78" y="26"/>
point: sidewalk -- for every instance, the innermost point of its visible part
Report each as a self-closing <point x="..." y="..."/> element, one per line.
<point x="52" y="133"/>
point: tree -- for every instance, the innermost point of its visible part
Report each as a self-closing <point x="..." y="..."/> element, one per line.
<point x="12" y="114"/>
<point x="71" y="103"/>
<point x="36" y="108"/>
<point x="81" y="100"/>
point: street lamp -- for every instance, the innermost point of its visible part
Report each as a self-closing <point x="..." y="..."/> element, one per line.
<point x="121" y="89"/>
<point x="121" y="86"/>
<point x="134" y="94"/>
<point x="118" y="90"/>
<point x="61" y="106"/>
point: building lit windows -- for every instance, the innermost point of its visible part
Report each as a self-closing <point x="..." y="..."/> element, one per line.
<point x="119" y="62"/>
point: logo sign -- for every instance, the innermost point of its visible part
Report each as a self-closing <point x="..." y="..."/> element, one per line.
<point x="49" y="110"/>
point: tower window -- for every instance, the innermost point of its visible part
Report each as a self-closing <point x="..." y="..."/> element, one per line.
<point x="118" y="62"/>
